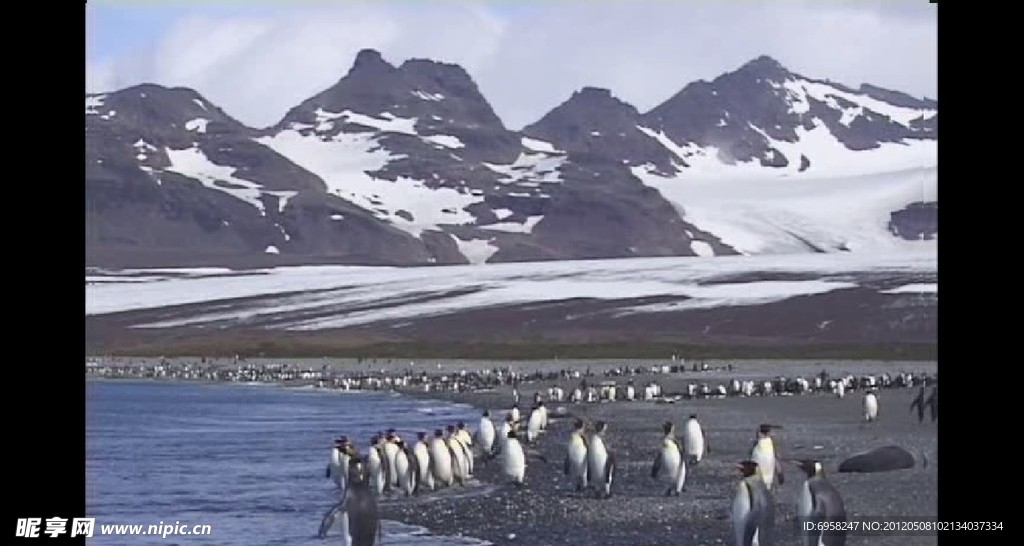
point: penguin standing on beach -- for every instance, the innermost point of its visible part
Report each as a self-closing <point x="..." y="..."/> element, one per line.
<point x="356" y="513"/>
<point x="463" y="436"/>
<point x="763" y="454"/>
<point x="390" y="451"/>
<point x="506" y="427"/>
<point x="870" y="406"/>
<point x="933" y="403"/>
<point x="533" y="426"/>
<point x="919" y="403"/>
<point x="485" y="435"/>
<point x="460" y="464"/>
<point x="376" y="464"/>
<point x="753" y="509"/>
<point x="669" y="462"/>
<point x="516" y="416"/>
<point x="337" y="468"/>
<point x="513" y="459"/>
<point x="600" y="461"/>
<point x="694" y="443"/>
<point x="819" y="501"/>
<point x="421" y="454"/>
<point x="441" y="460"/>
<point x="576" y="456"/>
<point x="406" y="468"/>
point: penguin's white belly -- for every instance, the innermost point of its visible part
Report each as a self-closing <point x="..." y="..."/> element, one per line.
<point x="533" y="428"/>
<point x="391" y="452"/>
<point x="765" y="459"/>
<point x="442" y="462"/>
<point x="597" y="457"/>
<point x="346" y="535"/>
<point x="486" y="435"/>
<point x="377" y="477"/>
<point x="693" y="441"/>
<point x="870" y="407"/>
<point x="514" y="461"/>
<point x="740" y="512"/>
<point x="459" y="463"/>
<point x="804" y="506"/>
<point x="578" y="459"/>
<point x="402" y="469"/>
<point x="423" y="461"/>
<point x="670" y="463"/>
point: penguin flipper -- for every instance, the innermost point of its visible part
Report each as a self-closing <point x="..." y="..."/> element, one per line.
<point x="779" y="474"/>
<point x="331" y="517"/>
<point x="609" y="471"/>
<point x="565" y="466"/>
<point x="656" y="467"/>
<point x="328" y="476"/>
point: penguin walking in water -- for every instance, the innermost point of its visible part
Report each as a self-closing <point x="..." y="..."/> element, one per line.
<point x="670" y="462"/>
<point x="356" y="513"/>
<point x="694" y="443"/>
<point x="421" y="454"/>
<point x="819" y="501"/>
<point x="513" y="460"/>
<point x="485" y="435"/>
<point x="919" y="404"/>
<point x="753" y="508"/>
<point x="933" y="403"/>
<point x="337" y="468"/>
<point x="576" y="456"/>
<point x="870" y="406"/>
<point x="600" y="461"/>
<point x="441" y="460"/>
<point x="763" y="453"/>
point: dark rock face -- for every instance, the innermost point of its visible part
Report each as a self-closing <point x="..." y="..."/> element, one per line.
<point x="171" y="179"/>
<point x="917" y="221"/>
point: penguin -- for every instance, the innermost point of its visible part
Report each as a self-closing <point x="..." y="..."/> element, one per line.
<point x="515" y="413"/>
<point x="870" y="406"/>
<point x="337" y="468"/>
<point x="506" y="426"/>
<point x="513" y="460"/>
<point x="460" y="465"/>
<point x="406" y="468"/>
<point x="543" y="415"/>
<point x="576" y="456"/>
<point x="421" y="454"/>
<point x="600" y="461"/>
<point x="670" y="462"/>
<point x="840" y="388"/>
<point x="376" y="464"/>
<point x="819" y="501"/>
<point x="441" y="460"/>
<point x="463" y="436"/>
<point x="533" y="426"/>
<point x="356" y="513"/>
<point x="630" y="391"/>
<point x="919" y="404"/>
<point x="694" y="443"/>
<point x="753" y="509"/>
<point x="485" y="434"/>
<point x="933" y="403"/>
<point x="390" y="451"/>
<point x="763" y="453"/>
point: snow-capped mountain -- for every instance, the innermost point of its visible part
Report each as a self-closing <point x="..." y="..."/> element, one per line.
<point x="410" y="165"/>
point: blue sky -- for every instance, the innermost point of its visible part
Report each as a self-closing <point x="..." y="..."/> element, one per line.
<point x="258" y="58"/>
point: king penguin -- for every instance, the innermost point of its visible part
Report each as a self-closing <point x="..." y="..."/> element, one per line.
<point x="406" y="468"/>
<point x="763" y="454"/>
<point x="533" y="425"/>
<point x="669" y="461"/>
<point x="337" y="468"/>
<point x="356" y="512"/>
<point x="870" y="406"/>
<point x="753" y="509"/>
<point x="390" y="451"/>
<point x="376" y="464"/>
<point x="933" y="403"/>
<point x="513" y="460"/>
<point x="421" y="454"/>
<point x="600" y="461"/>
<point x="576" y="456"/>
<point x="441" y="460"/>
<point x="919" y="404"/>
<point x="819" y="501"/>
<point x="694" y="443"/>
<point x="485" y="435"/>
<point x="460" y="466"/>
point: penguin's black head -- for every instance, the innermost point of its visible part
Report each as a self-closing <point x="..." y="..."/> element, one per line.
<point x="667" y="427"/>
<point x="421" y="435"/>
<point x="391" y="432"/>
<point x="438" y="433"/>
<point x="600" y="426"/>
<point x="764" y="430"/>
<point x="512" y="433"/>
<point x="451" y="429"/>
<point x="693" y="416"/>
<point x="578" y="424"/>
<point x="747" y="468"/>
<point x="461" y="425"/>
<point x="540" y="404"/>
<point x="487" y="413"/>
<point x="810" y="467"/>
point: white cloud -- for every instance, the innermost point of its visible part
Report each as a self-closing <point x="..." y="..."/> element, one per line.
<point x="527" y="59"/>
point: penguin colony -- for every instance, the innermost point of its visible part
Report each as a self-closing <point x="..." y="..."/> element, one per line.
<point x="447" y="458"/>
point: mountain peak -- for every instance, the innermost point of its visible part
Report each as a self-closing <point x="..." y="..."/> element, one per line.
<point x="369" y="59"/>
<point x="763" y="65"/>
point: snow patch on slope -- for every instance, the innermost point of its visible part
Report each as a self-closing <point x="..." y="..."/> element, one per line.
<point x="530" y="167"/>
<point x="477" y="251"/>
<point x="446" y="141"/>
<point x="198" y="124"/>
<point x="92" y="104"/>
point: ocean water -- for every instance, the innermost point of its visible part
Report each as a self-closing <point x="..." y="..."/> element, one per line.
<point x="248" y="460"/>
